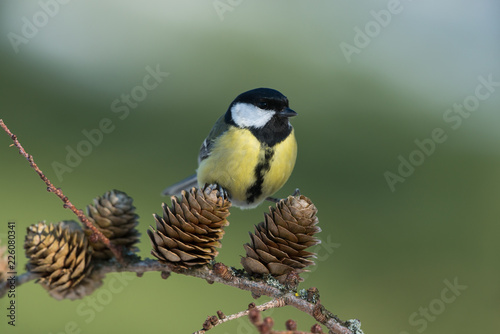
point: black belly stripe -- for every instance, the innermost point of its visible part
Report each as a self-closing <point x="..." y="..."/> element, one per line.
<point x="261" y="169"/>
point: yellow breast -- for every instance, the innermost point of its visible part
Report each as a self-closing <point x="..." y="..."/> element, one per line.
<point x="233" y="162"/>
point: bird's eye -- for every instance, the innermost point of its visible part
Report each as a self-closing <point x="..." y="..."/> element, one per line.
<point x="263" y="105"/>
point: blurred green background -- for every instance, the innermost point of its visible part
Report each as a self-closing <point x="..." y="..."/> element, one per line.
<point x="385" y="254"/>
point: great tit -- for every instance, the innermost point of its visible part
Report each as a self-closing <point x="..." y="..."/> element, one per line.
<point x="250" y="151"/>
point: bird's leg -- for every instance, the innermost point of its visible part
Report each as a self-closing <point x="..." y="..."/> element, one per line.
<point x="276" y="200"/>
<point x="273" y="199"/>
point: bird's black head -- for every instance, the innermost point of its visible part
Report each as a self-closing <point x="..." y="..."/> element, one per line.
<point x="264" y="111"/>
<point x="256" y="107"/>
<point x="263" y="98"/>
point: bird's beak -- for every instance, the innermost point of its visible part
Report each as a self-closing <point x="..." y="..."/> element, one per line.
<point x="287" y="112"/>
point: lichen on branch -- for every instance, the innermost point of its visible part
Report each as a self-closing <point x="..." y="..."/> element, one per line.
<point x="184" y="241"/>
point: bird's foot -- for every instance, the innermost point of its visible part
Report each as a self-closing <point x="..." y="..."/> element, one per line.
<point x="276" y="200"/>
<point x="222" y="192"/>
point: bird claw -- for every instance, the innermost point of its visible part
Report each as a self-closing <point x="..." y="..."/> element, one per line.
<point x="222" y="192"/>
<point x="276" y="200"/>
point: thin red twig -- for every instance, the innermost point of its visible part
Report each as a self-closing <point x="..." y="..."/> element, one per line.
<point x="96" y="234"/>
<point x="219" y="273"/>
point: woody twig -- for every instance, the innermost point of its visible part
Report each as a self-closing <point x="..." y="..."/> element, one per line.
<point x="96" y="234"/>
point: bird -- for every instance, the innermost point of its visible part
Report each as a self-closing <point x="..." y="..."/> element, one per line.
<point x="250" y="152"/>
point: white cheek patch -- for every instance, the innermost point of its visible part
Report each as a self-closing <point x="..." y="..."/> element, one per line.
<point x="248" y="115"/>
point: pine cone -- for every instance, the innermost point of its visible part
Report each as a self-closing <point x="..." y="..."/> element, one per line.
<point x="60" y="255"/>
<point x="113" y="214"/>
<point x="189" y="232"/>
<point x="3" y="264"/>
<point x="278" y="244"/>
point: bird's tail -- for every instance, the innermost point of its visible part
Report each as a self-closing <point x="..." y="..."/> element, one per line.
<point x="185" y="184"/>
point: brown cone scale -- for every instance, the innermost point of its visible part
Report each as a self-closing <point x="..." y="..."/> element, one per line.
<point x="60" y="255"/>
<point x="189" y="232"/>
<point x="278" y="245"/>
<point x="114" y="215"/>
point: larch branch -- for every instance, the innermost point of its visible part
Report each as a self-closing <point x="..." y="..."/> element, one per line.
<point x="96" y="234"/>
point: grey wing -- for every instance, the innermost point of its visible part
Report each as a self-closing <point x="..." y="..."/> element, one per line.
<point x="206" y="147"/>
<point x="185" y="184"/>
